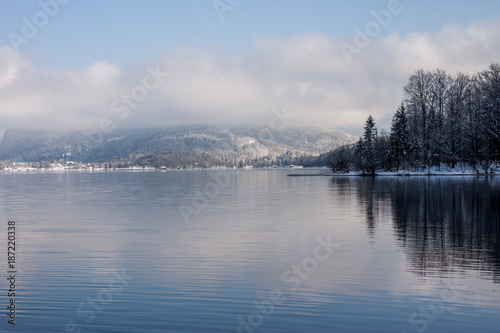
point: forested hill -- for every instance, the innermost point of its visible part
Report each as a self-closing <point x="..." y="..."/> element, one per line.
<point x="208" y="145"/>
<point x="444" y="121"/>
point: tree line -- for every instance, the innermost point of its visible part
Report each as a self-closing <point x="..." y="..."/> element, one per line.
<point x="443" y="121"/>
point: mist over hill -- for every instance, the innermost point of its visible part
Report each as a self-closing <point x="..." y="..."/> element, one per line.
<point x="210" y="145"/>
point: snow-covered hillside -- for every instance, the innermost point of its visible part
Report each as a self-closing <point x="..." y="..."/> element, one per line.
<point x="228" y="145"/>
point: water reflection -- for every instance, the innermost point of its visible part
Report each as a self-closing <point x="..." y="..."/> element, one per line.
<point x="76" y="229"/>
<point x="445" y="224"/>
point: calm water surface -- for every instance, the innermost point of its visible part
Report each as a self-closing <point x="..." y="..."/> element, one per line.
<point x="251" y="251"/>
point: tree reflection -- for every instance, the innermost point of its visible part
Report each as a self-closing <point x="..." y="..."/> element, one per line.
<point x="443" y="223"/>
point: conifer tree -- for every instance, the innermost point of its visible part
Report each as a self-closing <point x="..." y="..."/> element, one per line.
<point x="400" y="139"/>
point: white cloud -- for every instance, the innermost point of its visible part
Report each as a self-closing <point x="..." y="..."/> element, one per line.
<point x="10" y="64"/>
<point x="307" y="73"/>
<point x="101" y="73"/>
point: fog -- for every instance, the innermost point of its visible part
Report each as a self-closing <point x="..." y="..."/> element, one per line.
<point x="308" y="75"/>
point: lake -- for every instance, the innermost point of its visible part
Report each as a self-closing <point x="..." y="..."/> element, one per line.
<point x="251" y="251"/>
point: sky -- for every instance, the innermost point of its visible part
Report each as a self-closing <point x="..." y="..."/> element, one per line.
<point x="88" y="64"/>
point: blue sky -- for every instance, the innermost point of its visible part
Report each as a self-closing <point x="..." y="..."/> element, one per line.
<point x="125" y="31"/>
<point x="269" y="52"/>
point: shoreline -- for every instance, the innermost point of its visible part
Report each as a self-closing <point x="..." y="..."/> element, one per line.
<point x="29" y="170"/>
<point x="392" y="174"/>
<point x="152" y="169"/>
<point x="418" y="175"/>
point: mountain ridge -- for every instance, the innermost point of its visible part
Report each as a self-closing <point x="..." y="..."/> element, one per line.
<point x="228" y="145"/>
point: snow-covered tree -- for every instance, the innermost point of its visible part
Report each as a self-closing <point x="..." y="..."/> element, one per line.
<point x="453" y="131"/>
<point x="440" y="88"/>
<point x="400" y="142"/>
<point x="419" y="100"/>
<point x="341" y="159"/>
<point x="366" y="149"/>
<point x="443" y="120"/>
<point x="490" y="89"/>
